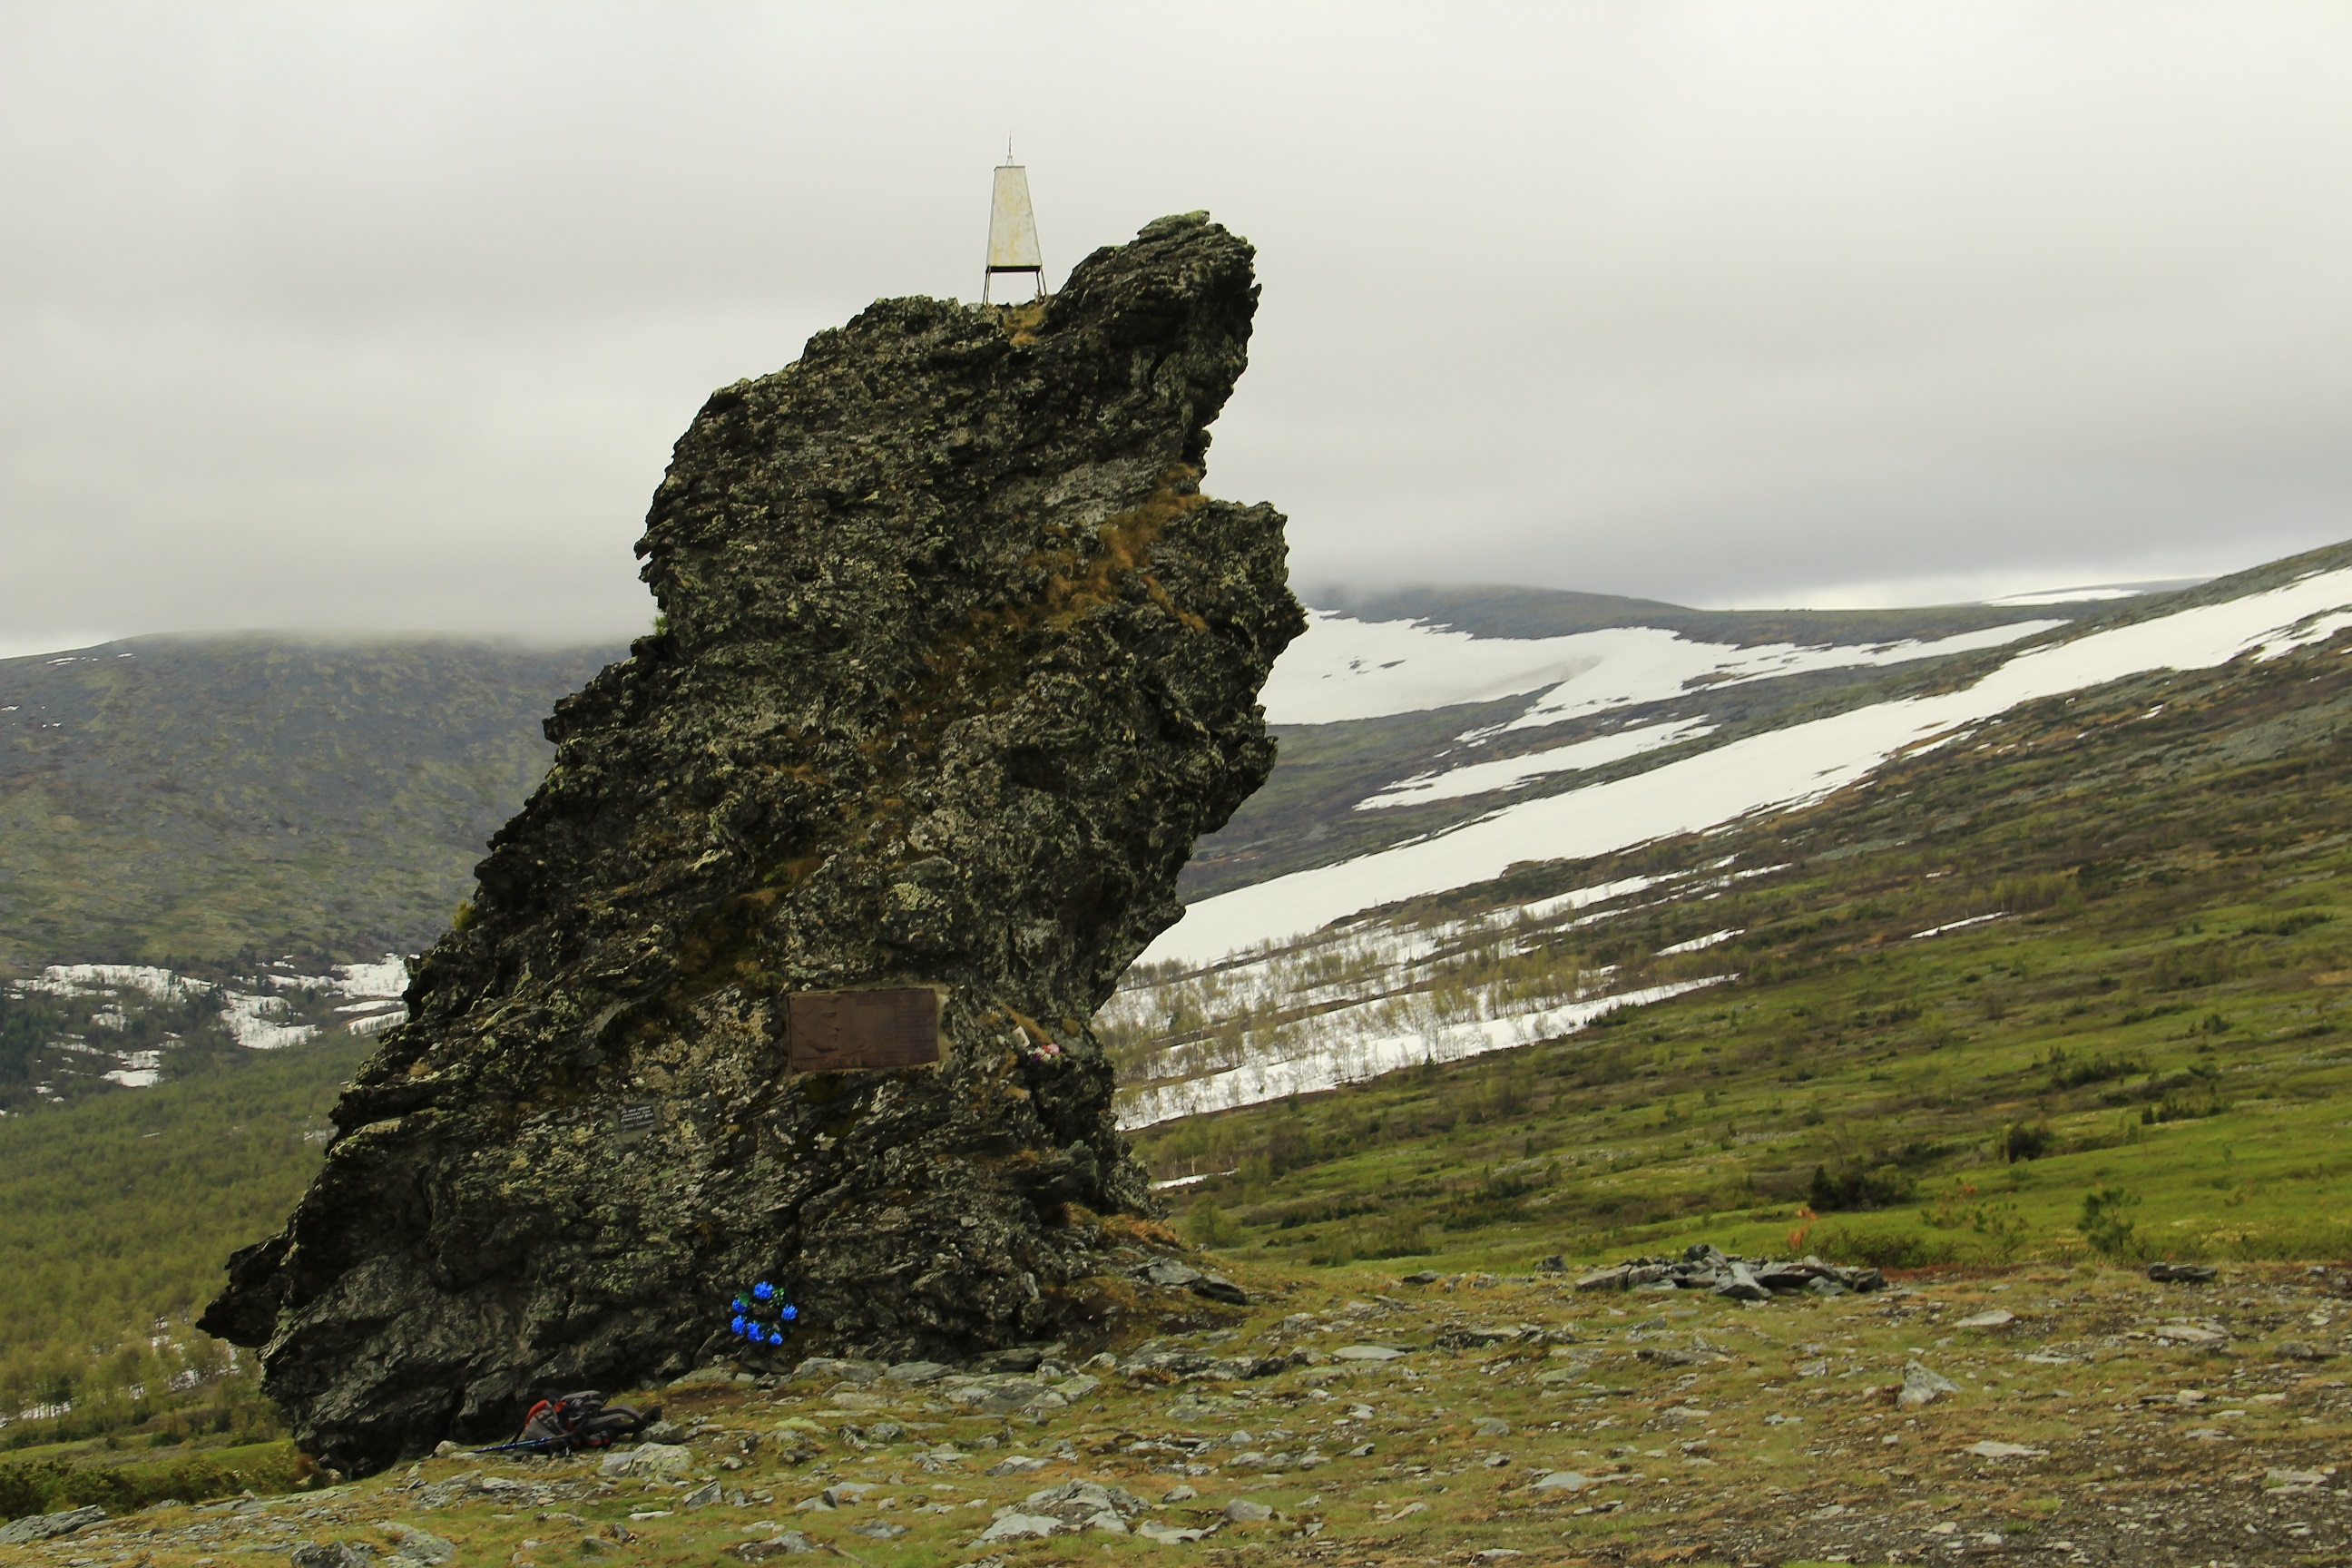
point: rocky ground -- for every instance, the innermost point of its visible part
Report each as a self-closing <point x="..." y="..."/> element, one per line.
<point x="2081" y="1416"/>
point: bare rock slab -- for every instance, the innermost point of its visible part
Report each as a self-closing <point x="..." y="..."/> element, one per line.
<point x="50" y="1526"/>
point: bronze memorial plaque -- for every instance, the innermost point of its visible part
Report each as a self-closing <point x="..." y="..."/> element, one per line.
<point x="839" y="1031"/>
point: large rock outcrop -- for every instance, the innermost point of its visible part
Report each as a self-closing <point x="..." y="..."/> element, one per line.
<point x="956" y="661"/>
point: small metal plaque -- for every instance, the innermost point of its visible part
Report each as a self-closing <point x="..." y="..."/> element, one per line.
<point x="636" y="1120"/>
<point x="844" y="1031"/>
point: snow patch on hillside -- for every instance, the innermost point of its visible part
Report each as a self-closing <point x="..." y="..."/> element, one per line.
<point x="386" y="978"/>
<point x="255" y="1010"/>
<point x="1372" y="995"/>
<point x="1508" y="772"/>
<point x="1961" y="925"/>
<point x="1342" y="669"/>
<point x="1358" y="1043"/>
<point x="253" y="1023"/>
<point x="1600" y="893"/>
<point x="139" y="1069"/>
<point x="85" y="979"/>
<point x="1645" y="665"/>
<point x="1773" y="771"/>
<point x="1700" y="943"/>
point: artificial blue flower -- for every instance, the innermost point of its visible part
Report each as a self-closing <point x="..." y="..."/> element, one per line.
<point x="739" y="1323"/>
<point x="776" y="1336"/>
<point x="790" y="1313"/>
<point x="763" y="1290"/>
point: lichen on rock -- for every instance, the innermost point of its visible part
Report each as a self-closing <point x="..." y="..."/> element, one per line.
<point x="956" y="663"/>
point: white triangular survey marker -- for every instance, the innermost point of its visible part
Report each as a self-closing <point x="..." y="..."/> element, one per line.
<point x="1012" y="231"/>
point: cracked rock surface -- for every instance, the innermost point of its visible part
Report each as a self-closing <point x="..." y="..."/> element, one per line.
<point x="956" y="661"/>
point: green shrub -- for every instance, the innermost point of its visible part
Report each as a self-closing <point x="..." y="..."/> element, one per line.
<point x="2104" y="1226"/>
<point x="2000" y="1226"/>
<point x="26" y="1488"/>
<point x="1209" y="1226"/>
<point x="1397" y="1236"/>
<point x="2298" y="1239"/>
<point x="1879" y="1188"/>
<point x="2067" y="1072"/>
<point x="1496" y="1198"/>
<point x="2199" y="964"/>
<point x="2026" y="1141"/>
<point x="1904" y="1248"/>
<point x="1401" y="1237"/>
<point x="2290" y="925"/>
<point x="49" y="1485"/>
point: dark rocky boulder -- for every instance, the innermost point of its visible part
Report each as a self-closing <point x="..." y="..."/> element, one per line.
<point x="956" y="662"/>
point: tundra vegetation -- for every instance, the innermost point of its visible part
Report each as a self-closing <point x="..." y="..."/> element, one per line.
<point x="2137" y="1051"/>
<point x="2141" y="1061"/>
<point x="2124" y="1044"/>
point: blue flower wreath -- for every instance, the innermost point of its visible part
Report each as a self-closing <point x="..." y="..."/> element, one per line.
<point x="760" y="1316"/>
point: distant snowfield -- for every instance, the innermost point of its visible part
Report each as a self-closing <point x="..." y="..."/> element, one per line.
<point x="251" y="1017"/>
<point x="1343" y="669"/>
<point x="1643" y="664"/>
<point x="2082" y="592"/>
<point x="1485" y="778"/>
<point x="1774" y="771"/>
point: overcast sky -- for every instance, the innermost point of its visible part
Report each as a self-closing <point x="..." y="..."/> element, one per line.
<point x="354" y="316"/>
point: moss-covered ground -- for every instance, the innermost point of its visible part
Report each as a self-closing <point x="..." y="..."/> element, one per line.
<point x="2137" y="1051"/>
<point x="1703" y="1430"/>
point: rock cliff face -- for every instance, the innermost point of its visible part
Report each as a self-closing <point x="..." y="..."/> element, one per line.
<point x="956" y="663"/>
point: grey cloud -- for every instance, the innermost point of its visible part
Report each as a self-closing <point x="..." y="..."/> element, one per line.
<point x="386" y="316"/>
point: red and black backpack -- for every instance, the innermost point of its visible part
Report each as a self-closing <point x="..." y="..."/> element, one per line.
<point x="562" y="1422"/>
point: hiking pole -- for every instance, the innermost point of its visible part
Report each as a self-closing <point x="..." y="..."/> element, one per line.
<point x="517" y="1443"/>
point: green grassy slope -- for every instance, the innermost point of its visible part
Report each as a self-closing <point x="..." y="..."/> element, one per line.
<point x="2159" y="1015"/>
<point x="178" y="799"/>
<point x="117" y="1214"/>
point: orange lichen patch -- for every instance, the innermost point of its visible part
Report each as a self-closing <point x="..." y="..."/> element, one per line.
<point x="785" y="875"/>
<point x="1135" y="1227"/>
<point x="1075" y="583"/>
<point x="1035" y="1031"/>
<point x="1020" y="323"/>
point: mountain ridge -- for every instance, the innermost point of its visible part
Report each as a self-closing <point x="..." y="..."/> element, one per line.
<point x="1498" y="610"/>
<point x="207" y="799"/>
<point x="2304" y="593"/>
<point x="178" y="799"/>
